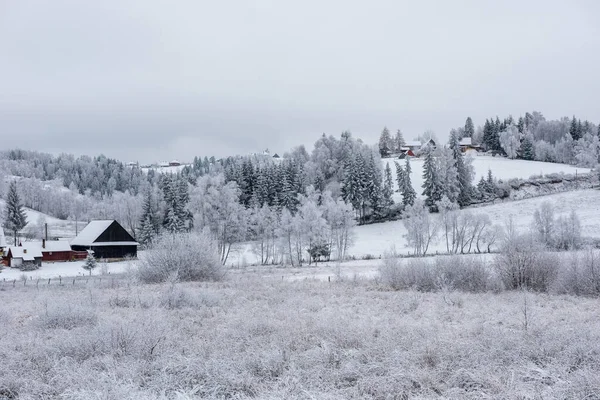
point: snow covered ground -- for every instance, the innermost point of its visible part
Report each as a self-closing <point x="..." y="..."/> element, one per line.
<point x="64" y="269"/>
<point x="56" y="227"/>
<point x="502" y="168"/>
<point x="376" y="239"/>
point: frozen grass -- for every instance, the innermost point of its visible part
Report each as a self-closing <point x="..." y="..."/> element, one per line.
<point x="250" y="337"/>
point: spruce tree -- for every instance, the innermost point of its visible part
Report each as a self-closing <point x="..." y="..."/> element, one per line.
<point x="148" y="222"/>
<point x="90" y="262"/>
<point x="408" y="192"/>
<point x="15" y="214"/>
<point x="385" y="143"/>
<point x="400" y="176"/>
<point x="399" y="141"/>
<point x="575" y="129"/>
<point x="431" y="185"/>
<point x="527" y="152"/>
<point x="463" y="174"/>
<point x="469" y="127"/>
<point x="388" y="187"/>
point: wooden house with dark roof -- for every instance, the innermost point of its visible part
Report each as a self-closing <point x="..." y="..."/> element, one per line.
<point x="107" y="239"/>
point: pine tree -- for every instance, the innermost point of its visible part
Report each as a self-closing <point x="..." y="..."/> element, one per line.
<point x="388" y="187"/>
<point x="521" y="125"/>
<point x="488" y="135"/>
<point x="527" y="151"/>
<point x="400" y="176"/>
<point x="399" y="141"/>
<point x="90" y="262"/>
<point x="148" y="222"/>
<point x="15" y="214"/>
<point x="469" y="127"/>
<point x="463" y="174"/>
<point x="408" y="192"/>
<point x="385" y="143"/>
<point x="575" y="129"/>
<point x="431" y="185"/>
<point x="372" y="182"/>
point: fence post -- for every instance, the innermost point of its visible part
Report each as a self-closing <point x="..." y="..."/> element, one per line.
<point x="60" y="280"/>
<point x="49" y="281"/>
<point x="73" y="281"/>
<point x="14" y="282"/>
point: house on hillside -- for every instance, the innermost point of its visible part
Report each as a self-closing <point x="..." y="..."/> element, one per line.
<point x="174" y="163"/>
<point x="406" y="153"/>
<point x="466" y="144"/>
<point x="19" y="256"/>
<point x="107" y="239"/>
<point x="412" y="145"/>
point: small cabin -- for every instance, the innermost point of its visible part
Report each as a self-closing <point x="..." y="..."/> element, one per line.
<point x="21" y="256"/>
<point x="107" y="239"/>
<point x="174" y="163"/>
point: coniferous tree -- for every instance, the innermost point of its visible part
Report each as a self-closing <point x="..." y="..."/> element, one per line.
<point x="399" y="141"/>
<point x="463" y="173"/>
<point x="90" y="262"/>
<point x="400" y="176"/>
<point x="385" y="143"/>
<point x="388" y="187"/>
<point x="488" y="135"/>
<point x="373" y="186"/>
<point x="469" y="127"/>
<point x="149" y="226"/>
<point x="431" y="185"/>
<point x="575" y="129"/>
<point x="14" y="214"/>
<point x="527" y="151"/>
<point x="408" y="192"/>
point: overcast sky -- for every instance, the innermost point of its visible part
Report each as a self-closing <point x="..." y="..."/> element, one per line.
<point x="155" y="80"/>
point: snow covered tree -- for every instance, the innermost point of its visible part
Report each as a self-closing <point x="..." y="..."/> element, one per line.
<point x="408" y="192"/>
<point x="90" y="262"/>
<point x="576" y="129"/>
<point x="386" y="145"/>
<point x="464" y="171"/>
<point x="432" y="189"/>
<point x="420" y="228"/>
<point x="447" y="174"/>
<point x="568" y="232"/>
<point x="469" y="128"/>
<point x="510" y="141"/>
<point x="587" y="150"/>
<point x="527" y="151"/>
<point x="340" y="218"/>
<point x="15" y="218"/>
<point x="149" y="222"/>
<point x="388" y="188"/>
<point x="399" y="141"/>
<point x="543" y="223"/>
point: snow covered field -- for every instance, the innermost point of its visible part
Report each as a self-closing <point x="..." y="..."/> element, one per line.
<point x="502" y="168"/>
<point x="377" y="239"/>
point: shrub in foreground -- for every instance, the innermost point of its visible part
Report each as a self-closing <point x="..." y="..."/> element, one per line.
<point x="181" y="257"/>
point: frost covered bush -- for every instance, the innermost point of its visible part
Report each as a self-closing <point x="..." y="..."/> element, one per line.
<point x="452" y="273"/>
<point x="466" y="274"/>
<point x="524" y="263"/>
<point x="181" y="257"/>
<point x="579" y="274"/>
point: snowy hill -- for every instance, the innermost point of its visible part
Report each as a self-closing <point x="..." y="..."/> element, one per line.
<point x="56" y="227"/>
<point x="502" y="168"/>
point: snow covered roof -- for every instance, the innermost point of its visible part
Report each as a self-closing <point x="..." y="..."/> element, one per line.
<point x="91" y="232"/>
<point x="413" y="143"/>
<point x="25" y="252"/>
<point x="51" y="245"/>
<point x="466" y="141"/>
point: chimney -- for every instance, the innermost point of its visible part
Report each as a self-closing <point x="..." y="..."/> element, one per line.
<point x="43" y="243"/>
<point x="46" y="230"/>
<point x="24" y="251"/>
